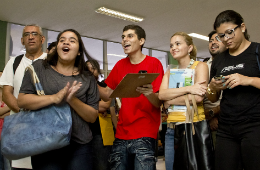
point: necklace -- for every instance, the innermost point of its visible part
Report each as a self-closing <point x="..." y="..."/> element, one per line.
<point x="66" y="74"/>
<point x="190" y="64"/>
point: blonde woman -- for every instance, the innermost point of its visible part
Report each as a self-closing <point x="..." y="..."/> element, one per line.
<point x="184" y="51"/>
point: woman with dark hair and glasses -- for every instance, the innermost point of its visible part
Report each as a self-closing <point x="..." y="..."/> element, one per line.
<point x="236" y="72"/>
<point x="64" y="79"/>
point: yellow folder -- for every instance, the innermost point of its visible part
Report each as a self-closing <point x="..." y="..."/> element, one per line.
<point x="107" y="130"/>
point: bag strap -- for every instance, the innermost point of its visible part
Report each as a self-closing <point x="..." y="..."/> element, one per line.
<point x="189" y="114"/>
<point x="257" y="56"/>
<point x="36" y="80"/>
<point x="195" y="106"/>
<point x="17" y="61"/>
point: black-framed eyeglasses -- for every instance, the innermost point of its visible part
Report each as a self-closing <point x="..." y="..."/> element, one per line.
<point x="227" y="34"/>
<point x="34" y="34"/>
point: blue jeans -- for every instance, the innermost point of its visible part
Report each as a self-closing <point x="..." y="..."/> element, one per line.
<point x="169" y="148"/>
<point x="5" y="164"/>
<point x="136" y="154"/>
<point x="72" y="157"/>
<point x="100" y="153"/>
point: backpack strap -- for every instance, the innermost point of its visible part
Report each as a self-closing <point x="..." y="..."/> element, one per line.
<point x="17" y="61"/>
<point x="257" y="56"/>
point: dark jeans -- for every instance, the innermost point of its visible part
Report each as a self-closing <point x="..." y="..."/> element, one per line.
<point x="100" y="154"/>
<point x="162" y="136"/>
<point x="72" y="157"/>
<point x="136" y="154"/>
<point x="238" y="146"/>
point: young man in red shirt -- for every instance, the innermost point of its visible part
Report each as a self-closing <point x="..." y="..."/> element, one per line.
<point x="139" y="118"/>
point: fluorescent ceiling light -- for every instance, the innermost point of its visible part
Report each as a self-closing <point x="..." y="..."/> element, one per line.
<point x="117" y="14"/>
<point x="123" y="56"/>
<point x="203" y="37"/>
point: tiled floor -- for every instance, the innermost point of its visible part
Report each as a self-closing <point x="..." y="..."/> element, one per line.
<point x="160" y="165"/>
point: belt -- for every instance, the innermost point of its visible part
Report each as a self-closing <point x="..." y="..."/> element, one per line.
<point x="171" y="125"/>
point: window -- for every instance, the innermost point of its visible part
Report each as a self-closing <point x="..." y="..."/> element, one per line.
<point x="115" y="53"/>
<point x="16" y="47"/>
<point x="145" y="51"/>
<point x="162" y="56"/>
<point x="94" y="48"/>
<point x="52" y="37"/>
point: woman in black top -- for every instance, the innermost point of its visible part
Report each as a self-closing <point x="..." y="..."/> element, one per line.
<point x="238" y="136"/>
<point x="64" y="79"/>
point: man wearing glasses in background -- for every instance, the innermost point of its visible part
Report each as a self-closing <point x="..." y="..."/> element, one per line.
<point x="13" y="73"/>
<point x="212" y="110"/>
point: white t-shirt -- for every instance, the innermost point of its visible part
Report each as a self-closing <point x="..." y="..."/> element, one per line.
<point x="8" y="78"/>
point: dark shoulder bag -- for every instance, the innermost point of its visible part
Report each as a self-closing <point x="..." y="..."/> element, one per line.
<point x="193" y="142"/>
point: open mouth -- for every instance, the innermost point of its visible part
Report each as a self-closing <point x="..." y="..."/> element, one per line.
<point x="127" y="45"/>
<point x="214" y="47"/>
<point x="65" y="49"/>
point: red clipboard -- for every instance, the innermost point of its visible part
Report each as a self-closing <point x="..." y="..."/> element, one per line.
<point x="127" y="87"/>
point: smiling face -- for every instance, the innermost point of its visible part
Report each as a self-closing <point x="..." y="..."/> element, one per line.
<point x="68" y="47"/>
<point x="215" y="47"/>
<point x="179" y="48"/>
<point x="32" y="43"/>
<point x="130" y="42"/>
<point x="234" y="42"/>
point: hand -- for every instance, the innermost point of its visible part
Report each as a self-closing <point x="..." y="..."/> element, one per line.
<point x="218" y="84"/>
<point x="198" y="88"/>
<point x="213" y="123"/>
<point x="236" y="79"/>
<point x="145" y="89"/>
<point x="58" y="97"/>
<point x="166" y="105"/>
<point x="72" y="90"/>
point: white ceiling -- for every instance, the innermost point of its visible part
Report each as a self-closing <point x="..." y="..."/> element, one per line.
<point x="162" y="18"/>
